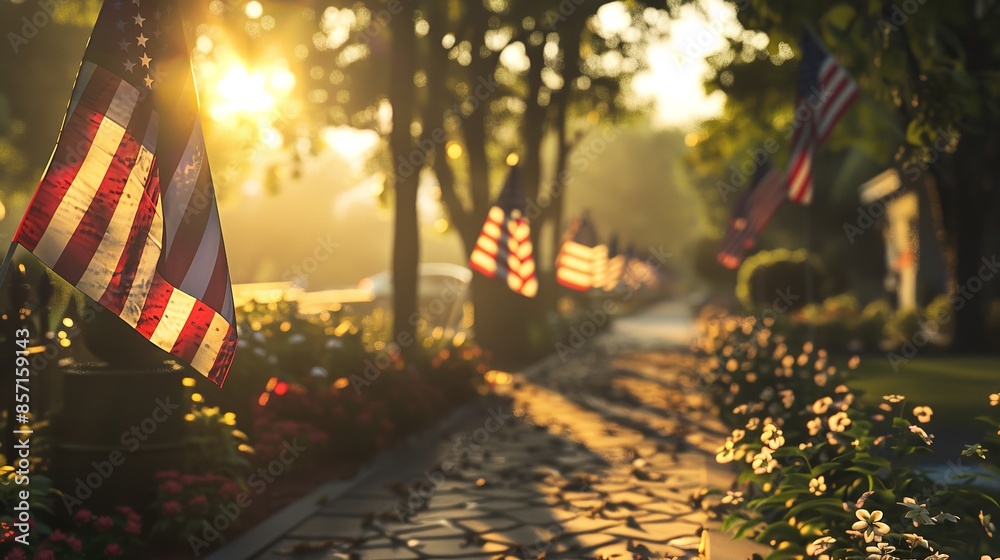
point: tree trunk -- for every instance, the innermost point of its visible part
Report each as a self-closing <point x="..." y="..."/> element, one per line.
<point x="406" y="237"/>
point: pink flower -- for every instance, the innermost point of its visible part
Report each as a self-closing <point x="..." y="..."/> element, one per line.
<point x="75" y="544"/>
<point x="83" y="516"/>
<point x="112" y="550"/>
<point x="16" y="554"/>
<point x="133" y="527"/>
<point x="171" y="486"/>
<point x="170" y="508"/>
<point x="199" y="500"/>
<point x="45" y="554"/>
<point x="104" y="523"/>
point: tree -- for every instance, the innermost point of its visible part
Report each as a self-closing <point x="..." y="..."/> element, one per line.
<point x="931" y="68"/>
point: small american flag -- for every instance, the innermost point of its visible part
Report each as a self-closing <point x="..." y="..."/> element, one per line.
<point x="751" y="212"/>
<point x="582" y="263"/>
<point x="825" y="91"/>
<point x="126" y="210"/>
<point x="504" y="248"/>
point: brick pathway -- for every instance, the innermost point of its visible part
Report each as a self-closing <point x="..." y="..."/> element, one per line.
<point x="597" y="457"/>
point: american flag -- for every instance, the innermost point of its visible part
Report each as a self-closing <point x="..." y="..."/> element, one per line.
<point x="504" y="248"/>
<point x="582" y="262"/>
<point x="825" y="91"/>
<point x="751" y="212"/>
<point x="126" y="210"/>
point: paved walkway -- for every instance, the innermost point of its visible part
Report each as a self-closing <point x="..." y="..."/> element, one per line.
<point x="597" y="457"/>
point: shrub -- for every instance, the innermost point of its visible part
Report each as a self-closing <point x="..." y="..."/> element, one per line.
<point x="767" y="271"/>
<point x="824" y="477"/>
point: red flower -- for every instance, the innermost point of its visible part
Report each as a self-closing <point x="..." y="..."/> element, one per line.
<point x="170" y="508"/>
<point x="75" y="544"/>
<point x="16" y="554"/>
<point x="112" y="550"/>
<point x="199" y="500"/>
<point x="171" y="486"/>
<point x="57" y="536"/>
<point x="229" y="489"/>
<point x="104" y="523"/>
<point x="45" y="554"/>
<point x="83" y="516"/>
<point x="133" y="527"/>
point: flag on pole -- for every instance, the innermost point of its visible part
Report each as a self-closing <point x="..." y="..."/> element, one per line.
<point x="825" y="91"/>
<point x="126" y="210"/>
<point x="504" y="249"/>
<point x="616" y="265"/>
<point x="751" y="212"/>
<point x="582" y="261"/>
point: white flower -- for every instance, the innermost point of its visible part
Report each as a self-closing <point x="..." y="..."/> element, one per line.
<point x="772" y="436"/>
<point x="880" y="551"/>
<point x="820" y="545"/>
<point x="726" y="453"/>
<point x="763" y="462"/>
<point x="914" y="540"/>
<point x="738" y="435"/>
<point x="870" y="525"/>
<point x="995" y="399"/>
<point x="928" y="439"/>
<point x="894" y="398"/>
<point x="319" y="372"/>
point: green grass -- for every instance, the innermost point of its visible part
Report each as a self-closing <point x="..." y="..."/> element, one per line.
<point x="956" y="387"/>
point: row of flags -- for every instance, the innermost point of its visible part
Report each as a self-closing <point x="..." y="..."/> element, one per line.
<point x="126" y="209"/>
<point x="504" y="251"/>
<point x="824" y="92"/>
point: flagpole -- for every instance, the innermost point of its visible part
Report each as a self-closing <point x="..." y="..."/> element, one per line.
<point x="7" y="260"/>
<point x="809" y="268"/>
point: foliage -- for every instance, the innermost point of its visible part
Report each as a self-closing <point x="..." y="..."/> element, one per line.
<point x="824" y="477"/>
<point x="762" y="269"/>
<point x="186" y="501"/>
<point x="214" y="444"/>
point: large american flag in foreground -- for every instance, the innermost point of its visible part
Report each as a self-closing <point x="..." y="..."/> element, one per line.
<point x="751" y="212"/>
<point x="582" y="262"/>
<point x="126" y="210"/>
<point x="504" y="248"/>
<point x="825" y="91"/>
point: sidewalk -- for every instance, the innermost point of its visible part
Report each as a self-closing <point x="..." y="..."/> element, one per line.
<point x="596" y="457"/>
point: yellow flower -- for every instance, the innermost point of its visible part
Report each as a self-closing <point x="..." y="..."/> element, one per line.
<point x="839" y="422"/>
<point x="995" y="399"/>
<point x="733" y="498"/>
<point x="894" y="398"/>
<point x="923" y="414"/>
<point x="822" y="405"/>
<point x="817" y="485"/>
<point x="870" y="525"/>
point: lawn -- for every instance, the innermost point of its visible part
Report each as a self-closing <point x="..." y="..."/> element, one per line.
<point x="956" y="387"/>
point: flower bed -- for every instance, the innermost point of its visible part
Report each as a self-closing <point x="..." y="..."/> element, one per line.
<point x="822" y="476"/>
<point x="307" y="394"/>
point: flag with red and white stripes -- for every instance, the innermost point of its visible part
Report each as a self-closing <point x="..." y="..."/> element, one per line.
<point x="504" y="248"/>
<point x="825" y="91"/>
<point x="582" y="262"/>
<point x="751" y="212"/>
<point x="126" y="210"/>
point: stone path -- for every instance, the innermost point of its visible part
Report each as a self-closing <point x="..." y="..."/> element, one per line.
<point x="597" y="457"/>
